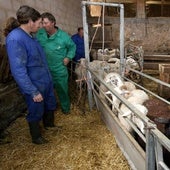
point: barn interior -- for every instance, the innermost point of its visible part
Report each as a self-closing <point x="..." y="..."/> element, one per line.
<point x="85" y="140"/>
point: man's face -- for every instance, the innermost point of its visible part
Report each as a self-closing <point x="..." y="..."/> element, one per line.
<point x="81" y="32"/>
<point x="34" y="26"/>
<point x="47" y="25"/>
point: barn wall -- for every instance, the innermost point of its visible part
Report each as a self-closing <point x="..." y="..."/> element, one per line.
<point x="152" y="34"/>
<point x="67" y="13"/>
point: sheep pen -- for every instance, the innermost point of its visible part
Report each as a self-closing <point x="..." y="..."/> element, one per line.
<point x="83" y="143"/>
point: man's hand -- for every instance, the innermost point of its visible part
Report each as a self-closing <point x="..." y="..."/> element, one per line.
<point x="38" y="98"/>
<point x="66" y="61"/>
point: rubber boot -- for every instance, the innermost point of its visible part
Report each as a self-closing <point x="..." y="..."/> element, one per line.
<point x="48" y="121"/>
<point x="36" y="134"/>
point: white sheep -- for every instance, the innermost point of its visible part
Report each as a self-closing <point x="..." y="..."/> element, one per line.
<point x="115" y="80"/>
<point x="129" y="86"/>
<point x="132" y="63"/>
<point x="106" y="54"/>
<point x="138" y="96"/>
<point x="126" y="112"/>
<point x="80" y="69"/>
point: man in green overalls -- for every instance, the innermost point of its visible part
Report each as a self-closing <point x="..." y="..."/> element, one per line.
<point x="59" y="49"/>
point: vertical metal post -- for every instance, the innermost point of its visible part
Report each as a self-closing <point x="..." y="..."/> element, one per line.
<point x="103" y="31"/>
<point x="150" y="154"/>
<point x="159" y="155"/>
<point x="121" y="40"/>
<point x="86" y="45"/>
<point x="85" y="29"/>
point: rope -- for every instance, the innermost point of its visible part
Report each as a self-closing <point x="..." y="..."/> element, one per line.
<point x="94" y="34"/>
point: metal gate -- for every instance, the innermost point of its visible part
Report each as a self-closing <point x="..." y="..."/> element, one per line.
<point x="155" y="141"/>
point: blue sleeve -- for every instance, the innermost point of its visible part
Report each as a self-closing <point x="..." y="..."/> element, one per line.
<point x="18" y="59"/>
<point x="74" y="38"/>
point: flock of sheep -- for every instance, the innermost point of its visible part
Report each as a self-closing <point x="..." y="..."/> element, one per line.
<point x="107" y="66"/>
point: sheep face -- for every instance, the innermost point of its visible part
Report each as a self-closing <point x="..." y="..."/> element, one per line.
<point x="114" y="79"/>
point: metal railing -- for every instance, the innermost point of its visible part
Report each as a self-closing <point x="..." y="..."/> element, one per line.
<point x="154" y="139"/>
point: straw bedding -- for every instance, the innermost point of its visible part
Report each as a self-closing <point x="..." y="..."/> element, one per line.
<point x="83" y="143"/>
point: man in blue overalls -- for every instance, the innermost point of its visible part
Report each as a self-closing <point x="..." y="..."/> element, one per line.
<point x="79" y="41"/>
<point x="29" y="68"/>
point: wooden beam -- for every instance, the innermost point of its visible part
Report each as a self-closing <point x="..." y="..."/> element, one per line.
<point x="140" y="10"/>
<point x="121" y="1"/>
<point x="157" y="2"/>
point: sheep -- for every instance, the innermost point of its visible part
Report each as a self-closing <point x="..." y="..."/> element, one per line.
<point x="106" y="54"/>
<point x="125" y="112"/>
<point x="132" y="63"/>
<point x="137" y="96"/>
<point x="121" y="87"/>
<point x="113" y="79"/>
<point x="80" y="69"/>
<point x="128" y="90"/>
<point x="129" y="86"/>
<point x="97" y="65"/>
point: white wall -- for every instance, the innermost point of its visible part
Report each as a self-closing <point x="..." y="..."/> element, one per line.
<point x="67" y="12"/>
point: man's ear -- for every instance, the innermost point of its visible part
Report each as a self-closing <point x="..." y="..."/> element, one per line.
<point x="53" y="23"/>
<point x="30" y="22"/>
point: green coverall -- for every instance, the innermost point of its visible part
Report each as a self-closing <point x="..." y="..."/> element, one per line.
<point x="57" y="47"/>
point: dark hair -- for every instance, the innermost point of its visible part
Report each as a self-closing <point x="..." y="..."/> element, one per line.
<point x="49" y="16"/>
<point x="80" y="28"/>
<point x="11" y="23"/>
<point x="25" y="13"/>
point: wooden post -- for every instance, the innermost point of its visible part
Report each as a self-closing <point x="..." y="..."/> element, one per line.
<point x="140" y="9"/>
<point x="164" y="73"/>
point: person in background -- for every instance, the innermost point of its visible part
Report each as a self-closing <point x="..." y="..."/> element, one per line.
<point x="79" y="41"/>
<point x="59" y="49"/>
<point x="30" y="70"/>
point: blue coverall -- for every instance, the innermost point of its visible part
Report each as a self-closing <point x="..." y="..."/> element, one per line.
<point x="29" y="68"/>
<point x="79" y="41"/>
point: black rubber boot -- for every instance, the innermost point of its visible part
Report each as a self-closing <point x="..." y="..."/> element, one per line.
<point x="36" y="134"/>
<point x="48" y="121"/>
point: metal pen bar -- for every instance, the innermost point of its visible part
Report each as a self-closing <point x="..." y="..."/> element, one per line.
<point x="149" y="77"/>
<point x="86" y="40"/>
<point x="150" y="153"/>
<point x="86" y="44"/>
<point x="122" y="40"/>
<point x="101" y="3"/>
<point x="159" y="153"/>
<point x="162" y="99"/>
<point x="103" y="36"/>
<point x="85" y="28"/>
<point x="162" y="165"/>
<point x="163" y="140"/>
